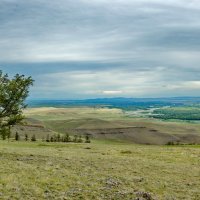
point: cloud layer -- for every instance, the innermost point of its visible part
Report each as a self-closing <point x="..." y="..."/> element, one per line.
<point x="84" y="49"/>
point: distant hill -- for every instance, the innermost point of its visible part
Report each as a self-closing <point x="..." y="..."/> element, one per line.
<point x="120" y="102"/>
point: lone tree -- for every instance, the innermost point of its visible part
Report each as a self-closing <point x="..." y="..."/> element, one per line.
<point x="13" y="93"/>
<point x="16" y="136"/>
<point x="26" y="137"/>
<point x="87" y="139"/>
<point x="33" y="138"/>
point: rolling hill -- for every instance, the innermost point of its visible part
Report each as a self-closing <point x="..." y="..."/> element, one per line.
<point x="105" y="123"/>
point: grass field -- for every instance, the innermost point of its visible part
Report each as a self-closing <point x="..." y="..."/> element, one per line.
<point x="100" y="170"/>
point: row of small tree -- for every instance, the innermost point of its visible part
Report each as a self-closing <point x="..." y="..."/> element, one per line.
<point x="56" y="138"/>
<point x="67" y="138"/>
<point x="26" y="138"/>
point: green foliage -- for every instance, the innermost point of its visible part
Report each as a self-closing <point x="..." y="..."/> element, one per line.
<point x="26" y="137"/>
<point x="87" y="139"/>
<point x="58" y="138"/>
<point x="13" y="93"/>
<point x="52" y="139"/>
<point x="170" y="143"/>
<point x="47" y="138"/>
<point x="4" y="132"/>
<point x="17" y="136"/>
<point x="33" y="138"/>
<point x="80" y="139"/>
<point x="67" y="138"/>
<point x="75" y="139"/>
<point x="181" y="113"/>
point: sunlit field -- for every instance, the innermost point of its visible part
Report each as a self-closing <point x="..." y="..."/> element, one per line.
<point x="100" y="170"/>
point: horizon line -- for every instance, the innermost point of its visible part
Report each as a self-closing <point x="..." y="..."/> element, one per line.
<point x="82" y="99"/>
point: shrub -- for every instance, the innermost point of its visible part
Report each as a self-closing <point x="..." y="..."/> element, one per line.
<point x="33" y="138"/>
<point x="80" y="139"/>
<point x="47" y="138"/>
<point x="170" y="143"/>
<point x="75" y="138"/>
<point x="87" y="139"/>
<point x="26" y="137"/>
<point x="58" y="138"/>
<point x="67" y="138"/>
<point x="52" y="139"/>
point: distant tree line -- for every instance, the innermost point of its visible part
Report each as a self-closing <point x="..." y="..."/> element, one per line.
<point x="56" y="138"/>
<point x="182" y="113"/>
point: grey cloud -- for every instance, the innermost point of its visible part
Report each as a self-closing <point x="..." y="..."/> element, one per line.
<point x="68" y="30"/>
<point x="143" y="37"/>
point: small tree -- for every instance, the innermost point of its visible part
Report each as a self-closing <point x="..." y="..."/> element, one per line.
<point x="33" y="138"/>
<point x="80" y="139"/>
<point x="87" y="139"/>
<point x="13" y="93"/>
<point x="52" y="139"/>
<point x="47" y="138"/>
<point x="75" y="138"/>
<point x="67" y="138"/>
<point x="17" y="136"/>
<point x="26" y="137"/>
<point x="58" y="138"/>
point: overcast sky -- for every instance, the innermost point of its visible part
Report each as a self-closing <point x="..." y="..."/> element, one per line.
<point x="78" y="49"/>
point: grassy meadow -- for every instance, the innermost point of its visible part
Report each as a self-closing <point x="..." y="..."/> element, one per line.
<point x="100" y="170"/>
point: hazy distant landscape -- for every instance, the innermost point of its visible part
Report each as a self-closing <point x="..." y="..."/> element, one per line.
<point x="132" y="154"/>
<point x="143" y="121"/>
<point x="120" y="102"/>
<point x="104" y="148"/>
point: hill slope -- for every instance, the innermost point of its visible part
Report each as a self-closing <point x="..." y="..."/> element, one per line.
<point x="114" y="124"/>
